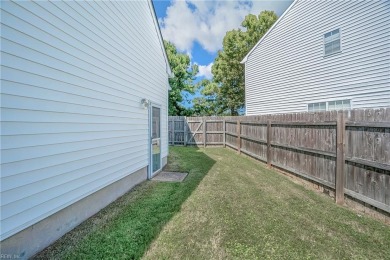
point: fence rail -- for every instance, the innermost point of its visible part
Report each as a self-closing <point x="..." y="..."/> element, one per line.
<point x="346" y="151"/>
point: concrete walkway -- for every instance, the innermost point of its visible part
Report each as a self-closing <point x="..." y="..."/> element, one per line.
<point x="170" y="176"/>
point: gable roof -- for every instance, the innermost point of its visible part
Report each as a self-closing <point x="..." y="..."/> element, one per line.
<point x="268" y="32"/>
<point x="157" y="26"/>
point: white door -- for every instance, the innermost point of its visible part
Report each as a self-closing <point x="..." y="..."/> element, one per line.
<point x="155" y="140"/>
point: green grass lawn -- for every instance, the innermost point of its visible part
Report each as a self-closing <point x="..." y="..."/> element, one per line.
<point x="229" y="207"/>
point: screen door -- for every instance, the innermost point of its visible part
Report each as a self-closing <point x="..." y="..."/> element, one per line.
<point x="156" y="140"/>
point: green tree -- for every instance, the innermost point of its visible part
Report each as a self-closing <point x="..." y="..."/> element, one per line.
<point x="227" y="70"/>
<point x="182" y="81"/>
<point x="207" y="104"/>
<point x="257" y="26"/>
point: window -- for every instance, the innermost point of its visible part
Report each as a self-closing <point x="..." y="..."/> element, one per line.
<point x="314" y="107"/>
<point x="332" y="42"/>
<point x="339" y="105"/>
<point x="330" y="105"/>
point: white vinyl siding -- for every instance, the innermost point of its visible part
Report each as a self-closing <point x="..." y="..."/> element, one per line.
<point x="288" y="70"/>
<point x="73" y="76"/>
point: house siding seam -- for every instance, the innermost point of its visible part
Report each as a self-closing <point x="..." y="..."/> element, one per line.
<point x="287" y="70"/>
<point x="73" y="76"/>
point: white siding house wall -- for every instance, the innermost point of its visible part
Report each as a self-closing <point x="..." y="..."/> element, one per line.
<point x="288" y="69"/>
<point x="73" y="76"/>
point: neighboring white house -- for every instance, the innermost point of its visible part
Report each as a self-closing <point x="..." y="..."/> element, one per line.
<point x="321" y="55"/>
<point x="84" y="86"/>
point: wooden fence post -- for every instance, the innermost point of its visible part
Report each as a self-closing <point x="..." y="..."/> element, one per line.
<point x="269" y="140"/>
<point x="340" y="158"/>
<point x="171" y="140"/>
<point x="238" y="136"/>
<point x="173" y="132"/>
<point x="204" y="132"/>
<point x="185" y="130"/>
<point x="224" y="133"/>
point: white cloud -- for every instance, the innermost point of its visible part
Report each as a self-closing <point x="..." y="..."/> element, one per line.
<point x="205" y="71"/>
<point x="207" y="22"/>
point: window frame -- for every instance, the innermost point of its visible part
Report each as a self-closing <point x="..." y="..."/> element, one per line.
<point x="327" y="104"/>
<point x="324" y="43"/>
<point x="342" y="100"/>
<point x="318" y="104"/>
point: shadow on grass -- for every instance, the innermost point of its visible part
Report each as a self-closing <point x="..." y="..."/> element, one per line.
<point x="126" y="228"/>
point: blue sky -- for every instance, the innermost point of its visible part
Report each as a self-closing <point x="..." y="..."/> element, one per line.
<point x="197" y="27"/>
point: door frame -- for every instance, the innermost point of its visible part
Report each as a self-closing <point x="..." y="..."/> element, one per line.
<point x="150" y="137"/>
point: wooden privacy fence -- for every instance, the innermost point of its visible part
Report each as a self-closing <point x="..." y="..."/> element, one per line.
<point x="194" y="130"/>
<point x="347" y="151"/>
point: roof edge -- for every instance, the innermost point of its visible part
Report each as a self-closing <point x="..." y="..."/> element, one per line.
<point x="158" y="29"/>
<point x="268" y="32"/>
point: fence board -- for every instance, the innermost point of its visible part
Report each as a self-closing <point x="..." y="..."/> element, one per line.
<point x="340" y="159"/>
